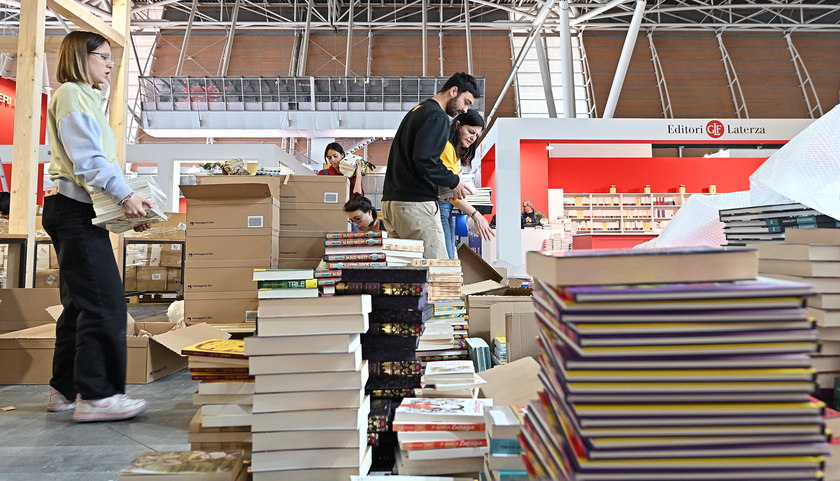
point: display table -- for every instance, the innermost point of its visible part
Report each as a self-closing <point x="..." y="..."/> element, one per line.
<point x="609" y="240"/>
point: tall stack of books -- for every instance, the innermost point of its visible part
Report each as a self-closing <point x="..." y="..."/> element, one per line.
<point x="369" y="249"/>
<point x="504" y="461"/>
<point x="763" y="223"/>
<point x="399" y="311"/>
<point x="225" y="395"/>
<point x="441" y="436"/>
<point x="671" y="364"/>
<point x="812" y="256"/>
<point x="310" y="410"/>
<point x="110" y="215"/>
<point x="445" y="278"/>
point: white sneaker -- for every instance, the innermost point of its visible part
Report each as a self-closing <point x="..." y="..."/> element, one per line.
<point x="58" y="402"/>
<point x="114" y="408"/>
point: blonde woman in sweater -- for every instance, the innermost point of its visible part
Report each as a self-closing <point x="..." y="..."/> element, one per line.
<point x="89" y="362"/>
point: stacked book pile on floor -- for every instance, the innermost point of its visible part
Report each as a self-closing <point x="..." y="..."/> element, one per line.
<point x="225" y="395"/>
<point x="369" y="249"/>
<point x="504" y="461"/>
<point x="499" y="354"/>
<point x="205" y="465"/>
<point x="763" y="223"/>
<point x="671" y="364"/>
<point x="454" y="313"/>
<point x="309" y="418"/>
<point x="109" y="214"/>
<point x="441" y="436"/>
<point x="445" y="278"/>
<point x="450" y="379"/>
<point x="399" y="312"/>
<point x="295" y="283"/>
<point x="812" y="256"/>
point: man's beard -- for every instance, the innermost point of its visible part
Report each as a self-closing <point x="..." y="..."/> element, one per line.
<point x="452" y="106"/>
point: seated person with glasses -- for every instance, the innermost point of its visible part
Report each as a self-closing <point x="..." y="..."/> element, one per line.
<point x="362" y="214"/>
<point x="530" y="217"/>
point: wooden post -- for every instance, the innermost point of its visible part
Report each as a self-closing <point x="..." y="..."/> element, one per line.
<point x="29" y="85"/>
<point x="121" y="14"/>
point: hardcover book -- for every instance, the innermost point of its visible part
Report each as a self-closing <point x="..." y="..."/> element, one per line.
<point x="443" y="410"/>
<point x="232" y="348"/>
<point x="354" y="257"/>
<point x="353" y="235"/>
<point x="282" y="274"/>
<point x="297" y="284"/>
<point x="345" y="265"/>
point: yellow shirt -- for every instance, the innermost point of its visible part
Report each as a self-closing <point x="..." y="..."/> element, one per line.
<point x="451" y="162"/>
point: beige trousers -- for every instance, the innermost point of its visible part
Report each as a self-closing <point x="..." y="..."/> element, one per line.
<point x="416" y="220"/>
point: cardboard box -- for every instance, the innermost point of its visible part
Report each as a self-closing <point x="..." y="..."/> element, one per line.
<point x="475" y="268"/>
<point x="301" y="244"/>
<point x="46" y="278"/>
<point x="173" y="279"/>
<point x="521" y="331"/>
<point x="42" y="256"/>
<point x="231" y="206"/>
<point x="301" y="263"/>
<point x="151" y="278"/>
<point x="516" y="382"/>
<point x="232" y="244"/>
<point x="172" y="229"/>
<point x="507" y="299"/>
<point x="27" y="354"/>
<point x="24" y="308"/>
<point x="315" y="189"/>
<point x="130" y="278"/>
<point x="213" y="276"/>
<point x="171" y="255"/>
<point x="322" y="217"/>
<point x="219" y="307"/>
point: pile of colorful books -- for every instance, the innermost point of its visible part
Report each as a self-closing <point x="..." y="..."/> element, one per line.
<point x="369" y="249"/>
<point x="672" y="364"/>
<point x="504" y="461"/>
<point x="445" y="278"/>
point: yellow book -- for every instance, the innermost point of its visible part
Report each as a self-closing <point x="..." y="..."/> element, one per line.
<point x="234" y="348"/>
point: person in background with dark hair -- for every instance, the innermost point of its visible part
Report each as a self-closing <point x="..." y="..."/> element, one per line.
<point x="459" y="151"/>
<point x="89" y="362"/>
<point x="415" y="171"/>
<point x="362" y="214"/>
<point x="334" y="154"/>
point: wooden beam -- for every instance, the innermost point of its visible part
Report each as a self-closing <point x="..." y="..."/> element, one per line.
<point x="29" y="85"/>
<point x="10" y="44"/>
<point x="118" y="113"/>
<point x="84" y="19"/>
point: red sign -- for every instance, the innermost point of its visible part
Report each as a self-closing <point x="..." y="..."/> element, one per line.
<point x="7" y="113"/>
<point x="715" y="129"/>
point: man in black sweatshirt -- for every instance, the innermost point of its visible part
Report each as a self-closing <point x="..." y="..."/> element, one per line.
<point x="410" y="192"/>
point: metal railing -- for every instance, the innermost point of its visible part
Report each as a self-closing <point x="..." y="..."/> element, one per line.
<point x="291" y="93"/>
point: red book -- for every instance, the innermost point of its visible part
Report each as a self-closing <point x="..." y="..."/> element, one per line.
<point x="342" y="265"/>
<point x="450" y="443"/>
<point x="353" y="242"/>
<point x="353" y="235"/>
<point x="354" y="257"/>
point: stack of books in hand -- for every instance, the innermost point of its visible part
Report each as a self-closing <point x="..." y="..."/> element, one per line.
<point x="450" y="379"/>
<point x="441" y="436"/>
<point x="812" y="256"/>
<point x="110" y="216"/>
<point x="221" y="361"/>
<point x="399" y="312"/>
<point x="504" y="461"/>
<point x="668" y="364"/>
<point x="445" y="278"/>
<point x="310" y="411"/>
<point x="763" y="223"/>
<point x="369" y="249"/>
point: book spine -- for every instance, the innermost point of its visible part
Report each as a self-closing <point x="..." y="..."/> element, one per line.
<point x="354" y="257"/>
<point x="328" y="281"/>
<point x="229" y="355"/>
<point x="211" y="370"/>
<point x="352" y="242"/>
<point x="393" y="247"/>
<point x="327" y="273"/>
<point x="381" y="289"/>
<point x="395" y="329"/>
<point x="221" y="377"/>
<point x="450" y="443"/>
<point x="352" y="235"/>
<point x="390" y="393"/>
<point x="299" y="284"/>
<point x="342" y="265"/>
<point x="408" y="427"/>
<point x="436" y="262"/>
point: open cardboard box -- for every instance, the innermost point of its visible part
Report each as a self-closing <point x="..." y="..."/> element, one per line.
<point x="24" y="308"/>
<point x="27" y="354"/>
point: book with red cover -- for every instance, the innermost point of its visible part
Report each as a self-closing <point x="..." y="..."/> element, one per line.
<point x="373" y="256"/>
<point x="353" y="242"/>
<point x="355" y="235"/>
<point x="343" y="265"/>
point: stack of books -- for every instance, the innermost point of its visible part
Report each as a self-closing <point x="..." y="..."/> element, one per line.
<point x="499" y="354"/>
<point x="480" y="199"/>
<point x="110" y="215"/>
<point x="453" y="312"/>
<point x="504" y="461"/>
<point x="327" y="279"/>
<point x="812" y="256"/>
<point x="763" y="223"/>
<point x="221" y="361"/>
<point x="479" y="352"/>
<point x="285" y="283"/>
<point x="399" y="312"/>
<point x="310" y="411"/>
<point x="668" y="364"/>
<point x="369" y="249"/>
<point x="450" y="379"/>
<point x="441" y="436"/>
<point x="196" y="465"/>
<point x="221" y="438"/>
<point x="445" y="278"/>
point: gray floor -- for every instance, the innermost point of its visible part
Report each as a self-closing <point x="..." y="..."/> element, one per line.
<point x="42" y="446"/>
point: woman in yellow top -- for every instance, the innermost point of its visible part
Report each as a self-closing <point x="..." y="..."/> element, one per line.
<point x="460" y="151"/>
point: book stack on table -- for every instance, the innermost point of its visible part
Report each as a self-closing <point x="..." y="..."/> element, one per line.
<point x="456" y="379"/>
<point x="369" y="249"/>
<point x="399" y="312"/>
<point x="446" y="279"/>
<point x="671" y="364"/>
<point x="441" y="436"/>
<point x="504" y="461"/>
<point x="812" y="256"/>
<point x="454" y="313"/>
<point x="225" y="395"/>
<point x="768" y="223"/>
<point x="310" y="410"/>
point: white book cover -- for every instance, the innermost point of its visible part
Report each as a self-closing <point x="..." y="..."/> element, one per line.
<point x="441" y="410"/>
<point x="232" y="387"/>
<point x="294" y="293"/>
<point x="452" y="370"/>
<point x="308" y="400"/>
<point x="446" y="453"/>
<point x="316" y="419"/>
<point x="310" y="474"/>
<point x="308" y="458"/>
<point x="291" y="363"/>
<point x="312" y="325"/>
<point x="201" y="399"/>
<point x="264" y="345"/>
<point x="309" y="439"/>
<point x="319" y="381"/>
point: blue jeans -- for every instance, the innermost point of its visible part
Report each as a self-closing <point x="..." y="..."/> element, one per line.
<point x="448" y="223"/>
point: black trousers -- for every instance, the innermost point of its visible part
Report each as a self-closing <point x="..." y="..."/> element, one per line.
<point x="90" y="345"/>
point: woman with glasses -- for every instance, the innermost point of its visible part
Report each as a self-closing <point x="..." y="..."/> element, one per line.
<point x="89" y="361"/>
<point x="459" y="151"/>
<point x="362" y="214"/>
<point x="334" y="154"/>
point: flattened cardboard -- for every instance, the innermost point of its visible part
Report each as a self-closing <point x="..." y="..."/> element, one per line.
<point x="521" y="331"/>
<point x="475" y="268"/>
<point x="512" y="383"/>
<point x="510" y="300"/>
<point x="24" y="308"/>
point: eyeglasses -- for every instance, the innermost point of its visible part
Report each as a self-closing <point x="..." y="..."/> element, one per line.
<point x="356" y="219"/>
<point x="107" y="57"/>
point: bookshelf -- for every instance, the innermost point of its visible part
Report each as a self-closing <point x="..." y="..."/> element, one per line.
<point x="621" y="213"/>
